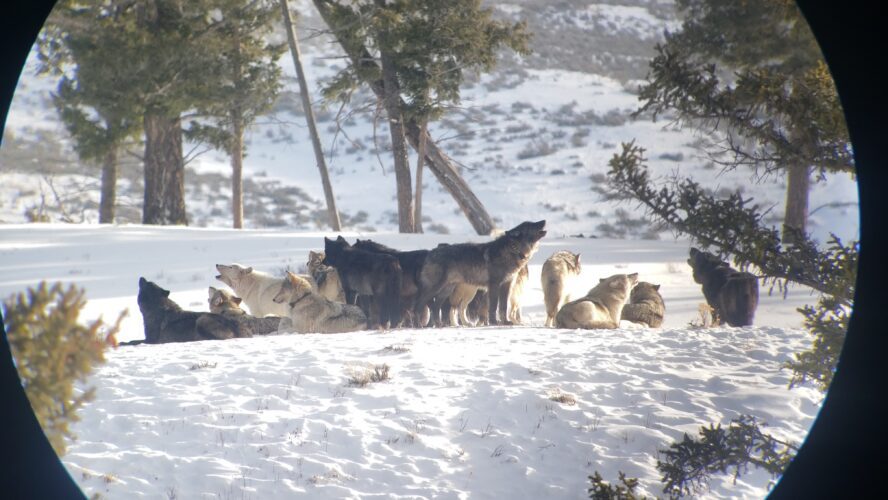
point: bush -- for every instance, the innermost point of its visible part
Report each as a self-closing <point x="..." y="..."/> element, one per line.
<point x="52" y="351"/>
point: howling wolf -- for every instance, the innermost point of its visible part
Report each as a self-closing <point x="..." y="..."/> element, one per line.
<point x="312" y="313"/>
<point x="732" y="294"/>
<point x="227" y="304"/>
<point x="645" y="305"/>
<point x="601" y="307"/>
<point x="255" y="288"/>
<point x="492" y="265"/>
<point x="165" y="321"/>
<point x="368" y="273"/>
<point x="557" y="270"/>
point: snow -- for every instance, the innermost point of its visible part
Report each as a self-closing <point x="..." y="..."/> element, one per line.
<point x="467" y="412"/>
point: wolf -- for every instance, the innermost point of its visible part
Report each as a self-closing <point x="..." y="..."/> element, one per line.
<point x="165" y="321"/>
<point x="645" y="305"/>
<point x="311" y="312"/>
<point x="601" y="307"/>
<point x="411" y="262"/>
<point x="326" y="277"/>
<point x="557" y="270"/>
<point x="515" y="295"/>
<point x="227" y="304"/>
<point x="455" y="307"/>
<point x="732" y="294"/>
<point x="493" y="265"/>
<point x="256" y="288"/>
<point x="368" y="273"/>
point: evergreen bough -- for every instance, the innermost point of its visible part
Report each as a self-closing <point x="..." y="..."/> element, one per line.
<point x="52" y="352"/>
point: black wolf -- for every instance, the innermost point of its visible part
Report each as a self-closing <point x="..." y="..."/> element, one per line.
<point x="166" y="322"/>
<point x="493" y="265"/>
<point x="411" y="262"/>
<point x="732" y="294"/>
<point x="368" y="273"/>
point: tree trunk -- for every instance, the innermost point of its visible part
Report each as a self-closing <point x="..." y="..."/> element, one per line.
<point x="164" y="201"/>
<point x="109" y="187"/>
<point x="237" y="171"/>
<point x="795" y="219"/>
<point x="391" y="101"/>
<point x="439" y="163"/>
<point x="333" y="213"/>
<point x="420" y="157"/>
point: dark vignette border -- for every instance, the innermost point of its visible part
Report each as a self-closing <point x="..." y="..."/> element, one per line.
<point x="845" y="450"/>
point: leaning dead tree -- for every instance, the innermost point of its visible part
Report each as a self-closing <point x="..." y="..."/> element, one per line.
<point x="335" y="223"/>
<point x="438" y="162"/>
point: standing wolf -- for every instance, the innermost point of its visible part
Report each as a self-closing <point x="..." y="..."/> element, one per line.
<point x="368" y="273"/>
<point x="732" y="294"/>
<point x="326" y="277"/>
<point x="601" y="307"/>
<point x="557" y="270"/>
<point x="492" y="265"/>
<point x="411" y="262"/>
<point x="515" y="294"/>
<point x="645" y="305"/>
<point x="165" y="321"/>
<point x="227" y="304"/>
<point x="311" y="312"/>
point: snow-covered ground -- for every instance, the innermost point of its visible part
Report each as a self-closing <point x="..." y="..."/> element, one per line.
<point x="466" y="413"/>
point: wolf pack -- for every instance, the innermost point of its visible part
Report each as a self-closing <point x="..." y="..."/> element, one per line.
<point x="369" y="286"/>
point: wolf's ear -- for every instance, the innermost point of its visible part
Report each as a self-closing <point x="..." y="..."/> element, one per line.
<point x="248" y="270"/>
<point x="600" y="280"/>
<point x="341" y="239"/>
<point x="212" y="292"/>
<point x="577" y="257"/>
<point x="657" y="287"/>
<point x="633" y="276"/>
<point x="142" y="281"/>
<point x="237" y="300"/>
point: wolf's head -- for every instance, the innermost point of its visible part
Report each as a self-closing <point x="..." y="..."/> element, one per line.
<point x="622" y="283"/>
<point x="702" y="263"/>
<point x="233" y="274"/>
<point x="529" y="231"/>
<point x="293" y="288"/>
<point x="644" y="290"/>
<point x="151" y="295"/>
<point x="333" y="250"/>
<point x="224" y="302"/>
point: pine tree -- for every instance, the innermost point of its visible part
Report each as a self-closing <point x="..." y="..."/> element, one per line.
<point x="52" y="352"/>
<point x="426" y="47"/>
<point x="753" y="71"/>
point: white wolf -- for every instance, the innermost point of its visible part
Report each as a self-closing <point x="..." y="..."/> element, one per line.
<point x="557" y="271"/>
<point x="601" y="307"/>
<point x="256" y="288"/>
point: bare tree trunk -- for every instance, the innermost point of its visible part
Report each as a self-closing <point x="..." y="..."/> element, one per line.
<point x="420" y="159"/>
<point x="439" y="163"/>
<point x="164" y="201"/>
<point x="795" y="219"/>
<point x="237" y="171"/>
<point x="399" y="144"/>
<point x="335" y="223"/>
<point x="109" y="187"/>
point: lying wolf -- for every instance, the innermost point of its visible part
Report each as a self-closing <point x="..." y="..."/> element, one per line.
<point x="645" y="305"/>
<point x="557" y="271"/>
<point x="732" y="294"/>
<point x="326" y="277"/>
<point x="368" y="273"/>
<point x="255" y="288"/>
<point x="165" y="321"/>
<point x="311" y="312"/>
<point x="227" y="304"/>
<point x="492" y="265"/>
<point x="601" y="307"/>
<point x="411" y="262"/>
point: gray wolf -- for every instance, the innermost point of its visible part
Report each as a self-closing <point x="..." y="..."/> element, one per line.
<point x="732" y="294"/>
<point x="256" y="288"/>
<point x="326" y="277"/>
<point x="377" y="275"/>
<point x="411" y="262"/>
<point x="601" y="307"/>
<point x="645" y="305"/>
<point x="557" y="270"/>
<point x="227" y="304"/>
<point x="311" y="312"/>
<point x="165" y="321"/>
<point x="492" y="265"/>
